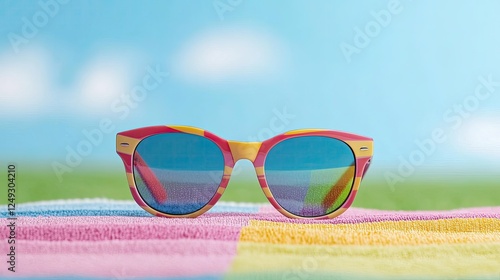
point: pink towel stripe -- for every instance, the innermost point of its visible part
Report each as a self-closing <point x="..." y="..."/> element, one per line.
<point x="122" y="266"/>
<point x="120" y="258"/>
<point x="210" y="227"/>
<point x="177" y="247"/>
<point x="359" y="215"/>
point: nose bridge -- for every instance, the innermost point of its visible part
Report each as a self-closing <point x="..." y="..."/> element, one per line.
<point x="244" y="150"/>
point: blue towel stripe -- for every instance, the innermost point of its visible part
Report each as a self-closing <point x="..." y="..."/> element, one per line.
<point x="106" y="207"/>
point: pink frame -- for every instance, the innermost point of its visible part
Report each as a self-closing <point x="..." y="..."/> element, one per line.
<point x="127" y="141"/>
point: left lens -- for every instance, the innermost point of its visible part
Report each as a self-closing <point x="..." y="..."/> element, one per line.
<point x="310" y="176"/>
<point x="177" y="173"/>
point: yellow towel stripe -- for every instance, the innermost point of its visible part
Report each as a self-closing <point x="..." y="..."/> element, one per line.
<point x="450" y="260"/>
<point x="452" y="231"/>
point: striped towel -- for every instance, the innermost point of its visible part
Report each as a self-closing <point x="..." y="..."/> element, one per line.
<point x="108" y="239"/>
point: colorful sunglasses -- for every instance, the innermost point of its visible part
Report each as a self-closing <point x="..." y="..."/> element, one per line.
<point x="182" y="171"/>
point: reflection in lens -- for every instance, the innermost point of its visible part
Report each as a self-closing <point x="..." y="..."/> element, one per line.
<point x="177" y="173"/>
<point x="310" y="176"/>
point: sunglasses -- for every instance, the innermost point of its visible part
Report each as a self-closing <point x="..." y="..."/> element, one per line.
<point x="182" y="171"/>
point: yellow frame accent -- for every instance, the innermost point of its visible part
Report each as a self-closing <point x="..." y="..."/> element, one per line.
<point x="300" y="131"/>
<point x="356" y="147"/>
<point x="244" y="150"/>
<point x="132" y="143"/>
<point x="189" y="129"/>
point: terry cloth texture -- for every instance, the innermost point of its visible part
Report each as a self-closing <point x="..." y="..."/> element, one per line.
<point x="108" y="239"/>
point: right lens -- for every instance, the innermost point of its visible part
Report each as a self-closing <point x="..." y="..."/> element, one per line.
<point x="310" y="176"/>
<point x="177" y="173"/>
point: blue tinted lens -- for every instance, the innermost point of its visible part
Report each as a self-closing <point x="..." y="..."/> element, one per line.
<point x="310" y="176"/>
<point x="177" y="173"/>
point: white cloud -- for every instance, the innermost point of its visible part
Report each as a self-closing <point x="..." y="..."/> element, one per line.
<point x="29" y="83"/>
<point x="480" y="136"/>
<point x="101" y="81"/>
<point x="24" y="82"/>
<point x="227" y="54"/>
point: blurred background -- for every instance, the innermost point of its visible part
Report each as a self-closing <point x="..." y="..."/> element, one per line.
<point x="420" y="77"/>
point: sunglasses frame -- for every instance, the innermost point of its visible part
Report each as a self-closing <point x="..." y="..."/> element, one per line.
<point x="127" y="142"/>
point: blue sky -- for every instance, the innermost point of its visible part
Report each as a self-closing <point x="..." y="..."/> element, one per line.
<point x="396" y="71"/>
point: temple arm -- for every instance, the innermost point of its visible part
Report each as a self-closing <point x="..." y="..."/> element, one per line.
<point x="150" y="180"/>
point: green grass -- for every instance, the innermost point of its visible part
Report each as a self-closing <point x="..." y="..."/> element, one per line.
<point x="417" y="194"/>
